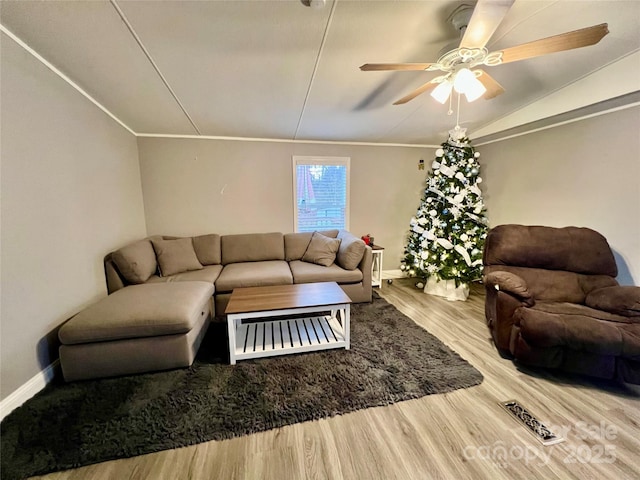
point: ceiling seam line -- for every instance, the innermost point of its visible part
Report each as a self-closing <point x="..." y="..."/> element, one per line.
<point x="153" y="64"/>
<point x="493" y="41"/>
<point x="64" y="77"/>
<point x="315" y="68"/>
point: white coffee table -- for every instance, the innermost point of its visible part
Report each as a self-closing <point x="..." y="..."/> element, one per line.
<point x="321" y="322"/>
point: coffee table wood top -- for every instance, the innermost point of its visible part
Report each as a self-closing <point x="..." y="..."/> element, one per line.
<point x="280" y="297"/>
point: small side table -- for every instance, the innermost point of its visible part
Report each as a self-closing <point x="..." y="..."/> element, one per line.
<point x="376" y="265"/>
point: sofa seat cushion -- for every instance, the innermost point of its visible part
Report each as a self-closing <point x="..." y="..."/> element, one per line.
<point x="139" y="311"/>
<point x="577" y="327"/>
<point x="209" y="273"/>
<point x="253" y="274"/>
<point x="304" y="272"/>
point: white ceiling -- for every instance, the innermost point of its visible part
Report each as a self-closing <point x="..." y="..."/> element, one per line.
<point x="282" y="70"/>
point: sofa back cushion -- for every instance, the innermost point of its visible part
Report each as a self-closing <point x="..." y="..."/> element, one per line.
<point x="351" y="250"/>
<point x="252" y="247"/>
<point x="136" y="262"/>
<point x="295" y="244"/>
<point x="207" y="248"/>
<point x="572" y="249"/>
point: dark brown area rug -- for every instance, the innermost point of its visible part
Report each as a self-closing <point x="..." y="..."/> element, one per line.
<point x="67" y="426"/>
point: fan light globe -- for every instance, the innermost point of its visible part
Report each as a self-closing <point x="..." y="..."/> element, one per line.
<point x="467" y="83"/>
<point x="442" y="91"/>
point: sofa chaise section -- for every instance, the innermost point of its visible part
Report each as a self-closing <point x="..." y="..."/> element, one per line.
<point x="141" y="328"/>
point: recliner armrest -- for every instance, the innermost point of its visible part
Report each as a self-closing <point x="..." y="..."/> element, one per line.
<point x="510" y="283"/>
<point x="621" y="300"/>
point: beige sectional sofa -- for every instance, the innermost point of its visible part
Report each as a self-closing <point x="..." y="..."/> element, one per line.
<point x="164" y="291"/>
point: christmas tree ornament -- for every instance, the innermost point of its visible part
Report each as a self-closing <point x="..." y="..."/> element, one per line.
<point x="446" y="237"/>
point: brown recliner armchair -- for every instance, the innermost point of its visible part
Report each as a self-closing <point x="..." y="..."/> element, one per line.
<point x="553" y="301"/>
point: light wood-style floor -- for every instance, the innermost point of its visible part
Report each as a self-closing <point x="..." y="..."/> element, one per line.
<point x="458" y="435"/>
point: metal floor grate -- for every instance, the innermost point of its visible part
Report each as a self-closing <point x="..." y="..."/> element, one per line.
<point x="530" y="422"/>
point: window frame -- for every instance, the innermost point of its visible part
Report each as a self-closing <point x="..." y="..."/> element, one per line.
<point x="321" y="160"/>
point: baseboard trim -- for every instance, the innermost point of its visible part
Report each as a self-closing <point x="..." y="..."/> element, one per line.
<point x="28" y="390"/>
<point x="392" y="274"/>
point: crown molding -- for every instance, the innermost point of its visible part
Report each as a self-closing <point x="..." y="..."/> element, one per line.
<point x="284" y="140"/>
<point x="622" y="102"/>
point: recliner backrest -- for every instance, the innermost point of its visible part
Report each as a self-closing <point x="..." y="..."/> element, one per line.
<point x="570" y="249"/>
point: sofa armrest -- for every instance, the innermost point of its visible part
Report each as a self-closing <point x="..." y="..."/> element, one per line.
<point x="365" y="266"/>
<point x="621" y="300"/>
<point x="114" y="280"/>
<point x="510" y="283"/>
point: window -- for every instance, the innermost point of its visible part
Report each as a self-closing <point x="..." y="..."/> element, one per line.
<point x="321" y="193"/>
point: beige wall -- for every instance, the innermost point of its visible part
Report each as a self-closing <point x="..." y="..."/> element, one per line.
<point x="585" y="174"/>
<point x="202" y="186"/>
<point x="70" y="186"/>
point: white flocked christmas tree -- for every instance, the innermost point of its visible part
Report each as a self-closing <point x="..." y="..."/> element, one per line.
<point x="444" y="246"/>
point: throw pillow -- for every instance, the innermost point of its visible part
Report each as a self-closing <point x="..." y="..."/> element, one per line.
<point x="321" y="250"/>
<point x="295" y="244"/>
<point x="351" y="250"/>
<point x="136" y="262"/>
<point x="175" y="256"/>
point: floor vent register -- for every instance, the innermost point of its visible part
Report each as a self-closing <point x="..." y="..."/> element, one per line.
<point x="530" y="422"/>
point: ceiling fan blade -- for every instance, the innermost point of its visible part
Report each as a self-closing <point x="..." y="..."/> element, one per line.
<point x="368" y="67"/>
<point x="558" y="43"/>
<point x="487" y="15"/>
<point x="493" y="88"/>
<point x="424" y="88"/>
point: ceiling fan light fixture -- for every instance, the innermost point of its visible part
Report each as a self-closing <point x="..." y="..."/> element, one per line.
<point x="463" y="79"/>
<point x="442" y="91"/>
<point x="466" y="82"/>
<point x="475" y="91"/>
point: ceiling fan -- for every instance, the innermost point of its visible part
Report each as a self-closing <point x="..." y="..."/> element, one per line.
<point x="477" y="25"/>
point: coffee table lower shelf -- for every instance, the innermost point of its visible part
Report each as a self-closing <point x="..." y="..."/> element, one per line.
<point x="282" y="336"/>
